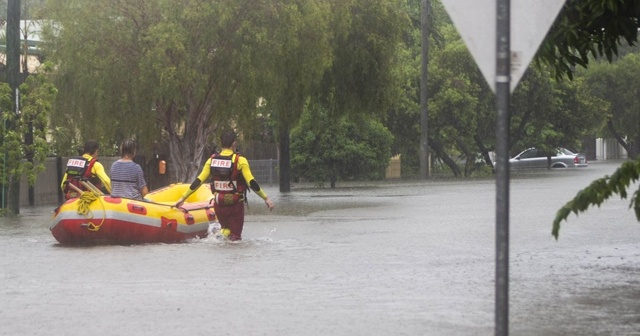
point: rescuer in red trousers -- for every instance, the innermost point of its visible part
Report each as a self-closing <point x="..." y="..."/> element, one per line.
<point x="230" y="176"/>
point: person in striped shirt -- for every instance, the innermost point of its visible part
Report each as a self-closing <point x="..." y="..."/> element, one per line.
<point x="127" y="178"/>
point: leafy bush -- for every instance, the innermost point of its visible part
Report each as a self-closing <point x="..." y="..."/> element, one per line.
<point x="331" y="149"/>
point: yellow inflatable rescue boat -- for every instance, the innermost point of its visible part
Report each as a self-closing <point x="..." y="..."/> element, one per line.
<point x="101" y="219"/>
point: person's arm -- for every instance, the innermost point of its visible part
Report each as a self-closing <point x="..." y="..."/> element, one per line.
<point x="98" y="170"/>
<point x="243" y="166"/>
<point x="64" y="181"/>
<point x="204" y="174"/>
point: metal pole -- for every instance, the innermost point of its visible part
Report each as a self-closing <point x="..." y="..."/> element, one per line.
<point x="424" y="113"/>
<point x="503" y="69"/>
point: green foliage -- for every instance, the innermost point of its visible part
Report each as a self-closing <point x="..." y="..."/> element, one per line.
<point x="614" y="84"/>
<point x="179" y="72"/>
<point x="457" y="104"/>
<point x="600" y="190"/>
<point x="544" y="112"/>
<point x="36" y="97"/>
<point x="403" y="116"/>
<point x="549" y="113"/>
<point x="8" y="135"/>
<point x="329" y="149"/>
<point x="363" y="76"/>
<point x="164" y="71"/>
<point x="587" y="29"/>
<point x="298" y="51"/>
<point x="170" y="71"/>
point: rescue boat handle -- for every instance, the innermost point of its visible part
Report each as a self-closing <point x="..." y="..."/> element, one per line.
<point x="194" y="209"/>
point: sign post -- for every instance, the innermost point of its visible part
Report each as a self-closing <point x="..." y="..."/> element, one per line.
<point x="502" y="87"/>
<point x="503" y="53"/>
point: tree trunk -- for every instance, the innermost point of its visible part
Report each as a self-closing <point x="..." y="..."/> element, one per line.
<point x="484" y="151"/>
<point x="284" y="172"/>
<point x="469" y="157"/>
<point x="621" y="140"/>
<point x="187" y="150"/>
<point x="437" y="147"/>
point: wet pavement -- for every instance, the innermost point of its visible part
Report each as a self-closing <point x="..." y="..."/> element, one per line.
<point x="388" y="258"/>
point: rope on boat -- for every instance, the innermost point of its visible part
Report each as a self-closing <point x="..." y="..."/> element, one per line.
<point x="84" y="201"/>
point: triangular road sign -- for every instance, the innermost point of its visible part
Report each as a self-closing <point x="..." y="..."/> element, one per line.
<point x="476" y="22"/>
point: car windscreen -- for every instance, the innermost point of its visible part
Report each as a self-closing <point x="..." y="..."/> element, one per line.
<point x="566" y="151"/>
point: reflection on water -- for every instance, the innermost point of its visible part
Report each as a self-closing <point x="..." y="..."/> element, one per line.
<point x="30" y="221"/>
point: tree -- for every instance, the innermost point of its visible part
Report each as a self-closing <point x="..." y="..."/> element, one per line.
<point x="159" y="70"/>
<point x="364" y="77"/>
<point x="297" y="54"/>
<point x="618" y="85"/>
<point x="545" y="113"/>
<point x="403" y="117"/>
<point x="457" y="104"/>
<point x="356" y="76"/>
<point x="185" y="69"/>
<point x="14" y="79"/>
<point x="352" y="150"/>
<point x="37" y="96"/>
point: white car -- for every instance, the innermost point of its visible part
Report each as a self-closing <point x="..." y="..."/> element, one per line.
<point x="537" y="158"/>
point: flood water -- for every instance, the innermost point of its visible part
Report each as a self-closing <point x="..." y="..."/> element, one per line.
<point x="391" y="258"/>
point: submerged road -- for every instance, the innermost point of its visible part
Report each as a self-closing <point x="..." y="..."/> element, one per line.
<point x="390" y="258"/>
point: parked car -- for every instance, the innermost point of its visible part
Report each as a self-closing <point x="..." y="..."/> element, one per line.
<point x="537" y="158"/>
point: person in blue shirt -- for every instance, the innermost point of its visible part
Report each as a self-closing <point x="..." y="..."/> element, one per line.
<point x="127" y="178"/>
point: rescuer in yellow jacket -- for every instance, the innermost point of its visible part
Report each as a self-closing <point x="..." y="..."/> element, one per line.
<point x="230" y="175"/>
<point x="85" y="167"/>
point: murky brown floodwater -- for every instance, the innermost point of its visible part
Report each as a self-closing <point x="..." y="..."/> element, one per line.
<point x="385" y="259"/>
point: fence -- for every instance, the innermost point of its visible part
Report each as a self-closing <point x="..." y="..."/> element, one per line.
<point x="47" y="191"/>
